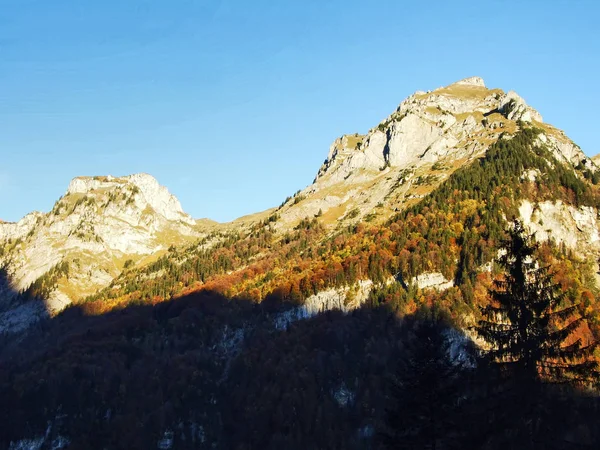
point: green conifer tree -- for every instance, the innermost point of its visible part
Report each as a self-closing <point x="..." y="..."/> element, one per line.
<point x="530" y="333"/>
<point x="527" y="324"/>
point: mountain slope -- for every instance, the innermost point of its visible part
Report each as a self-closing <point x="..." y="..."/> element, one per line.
<point x="311" y="243"/>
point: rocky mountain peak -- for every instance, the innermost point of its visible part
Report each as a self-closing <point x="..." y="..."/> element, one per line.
<point x="514" y="108"/>
<point x="94" y="229"/>
<point x="457" y="120"/>
<point x="144" y="190"/>
<point x="471" y="81"/>
<point x="416" y="147"/>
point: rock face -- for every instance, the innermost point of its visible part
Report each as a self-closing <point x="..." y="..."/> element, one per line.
<point x="515" y="108"/>
<point x="414" y="149"/>
<point x="577" y="228"/>
<point x="92" y="231"/>
<point x="472" y="81"/>
<point x="428" y="127"/>
<point x="345" y="299"/>
<point x="433" y="280"/>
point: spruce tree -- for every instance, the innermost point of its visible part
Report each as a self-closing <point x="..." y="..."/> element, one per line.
<point x="530" y="333"/>
<point x="526" y="323"/>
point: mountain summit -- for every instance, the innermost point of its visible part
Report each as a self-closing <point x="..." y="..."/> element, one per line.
<point x="99" y="226"/>
<point x="418" y="146"/>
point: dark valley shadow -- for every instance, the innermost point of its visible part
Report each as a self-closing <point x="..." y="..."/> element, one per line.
<point x="205" y="371"/>
<point x="19" y="312"/>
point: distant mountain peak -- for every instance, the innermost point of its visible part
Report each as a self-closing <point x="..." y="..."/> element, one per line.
<point x="100" y="223"/>
<point x="81" y="183"/>
<point x="141" y="185"/>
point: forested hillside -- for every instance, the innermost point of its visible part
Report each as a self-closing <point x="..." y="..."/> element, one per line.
<point x="454" y="230"/>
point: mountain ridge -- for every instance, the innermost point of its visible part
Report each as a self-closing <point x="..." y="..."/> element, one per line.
<point x="319" y="245"/>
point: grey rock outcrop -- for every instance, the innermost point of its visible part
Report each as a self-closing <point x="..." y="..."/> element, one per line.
<point x="472" y="81"/>
<point x="433" y="280"/>
<point x="514" y="108"/>
<point x="149" y="193"/>
<point x="578" y="228"/>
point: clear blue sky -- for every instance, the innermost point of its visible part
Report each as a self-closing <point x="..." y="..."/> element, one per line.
<point x="233" y="104"/>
